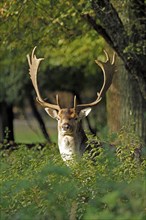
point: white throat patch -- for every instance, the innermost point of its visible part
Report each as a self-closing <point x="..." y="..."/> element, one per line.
<point x="67" y="147"/>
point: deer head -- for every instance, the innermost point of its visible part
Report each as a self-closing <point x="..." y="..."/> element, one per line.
<point x="71" y="137"/>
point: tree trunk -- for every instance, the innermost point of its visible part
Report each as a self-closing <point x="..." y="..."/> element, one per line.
<point x="6" y="122"/>
<point x="125" y="104"/>
<point x="38" y="118"/>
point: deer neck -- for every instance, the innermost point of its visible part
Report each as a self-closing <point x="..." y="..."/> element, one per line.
<point x="72" y="145"/>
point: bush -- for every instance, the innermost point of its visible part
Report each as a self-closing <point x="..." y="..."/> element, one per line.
<point x="36" y="184"/>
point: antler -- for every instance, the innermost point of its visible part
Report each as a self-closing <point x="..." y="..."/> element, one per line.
<point x="108" y="69"/>
<point x="33" y="68"/>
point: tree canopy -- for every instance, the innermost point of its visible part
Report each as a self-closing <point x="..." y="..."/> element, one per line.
<point x="62" y="34"/>
<point x="58" y="29"/>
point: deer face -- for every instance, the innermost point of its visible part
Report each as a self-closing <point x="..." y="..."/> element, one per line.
<point x="68" y="119"/>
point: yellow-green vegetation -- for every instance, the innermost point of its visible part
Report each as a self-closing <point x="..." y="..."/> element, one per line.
<point x="36" y="184"/>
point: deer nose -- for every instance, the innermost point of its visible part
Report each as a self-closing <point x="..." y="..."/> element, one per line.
<point x="66" y="126"/>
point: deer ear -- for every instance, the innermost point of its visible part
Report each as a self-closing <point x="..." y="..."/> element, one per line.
<point x="84" y="112"/>
<point x="52" y="112"/>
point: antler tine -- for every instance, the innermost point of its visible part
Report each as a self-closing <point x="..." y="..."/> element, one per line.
<point x="107" y="56"/>
<point x="33" y="68"/>
<point x="108" y="69"/>
<point x="114" y="59"/>
<point x="75" y="102"/>
<point x="57" y="100"/>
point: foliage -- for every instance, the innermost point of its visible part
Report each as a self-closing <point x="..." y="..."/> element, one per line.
<point x="36" y="184"/>
<point x="61" y="34"/>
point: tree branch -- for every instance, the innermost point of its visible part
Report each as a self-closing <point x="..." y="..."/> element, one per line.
<point x="39" y="118"/>
<point x="110" y="21"/>
<point x="98" y="28"/>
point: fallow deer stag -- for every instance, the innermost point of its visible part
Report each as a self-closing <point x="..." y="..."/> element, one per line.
<point x="71" y="136"/>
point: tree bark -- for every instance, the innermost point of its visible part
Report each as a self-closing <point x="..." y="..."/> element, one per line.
<point x="125" y="104"/>
<point x="6" y="122"/>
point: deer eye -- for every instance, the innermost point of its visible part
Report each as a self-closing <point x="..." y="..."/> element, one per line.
<point x="75" y="119"/>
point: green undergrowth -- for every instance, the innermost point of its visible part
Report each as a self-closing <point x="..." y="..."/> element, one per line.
<point x="36" y="184"/>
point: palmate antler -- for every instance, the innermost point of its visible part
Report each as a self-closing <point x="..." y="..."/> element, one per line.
<point x="33" y="69"/>
<point x="108" y="69"/>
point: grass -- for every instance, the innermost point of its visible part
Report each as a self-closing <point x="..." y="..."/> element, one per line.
<point x="31" y="133"/>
